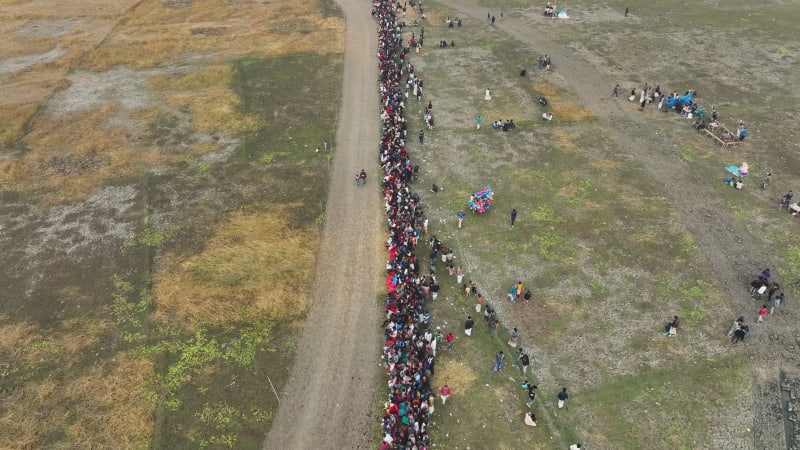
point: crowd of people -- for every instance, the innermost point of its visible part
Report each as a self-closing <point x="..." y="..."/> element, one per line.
<point x="409" y="353"/>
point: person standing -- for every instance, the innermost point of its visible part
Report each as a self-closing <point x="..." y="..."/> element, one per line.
<point x="459" y="274"/>
<point x="527" y="296"/>
<point x="460" y="216"/>
<point x="520" y="290"/>
<point x="524" y="363"/>
<point x="514" y="337"/>
<point x="449" y="339"/>
<point x="531" y="395"/>
<point x="615" y="92"/>
<point x="513" y="217"/>
<point x="444" y="393"/>
<point x="761" y="313"/>
<point x="478" y="123"/>
<point x="421" y="137"/>
<point x="468" y="326"/>
<point x="772" y="290"/>
<point x="776" y="302"/>
<point x="562" y="398"/>
<point x="512" y="293"/>
<point x="498" y="361"/>
<point x="488" y="95"/>
<point x="435" y="290"/>
<point x="517" y="358"/>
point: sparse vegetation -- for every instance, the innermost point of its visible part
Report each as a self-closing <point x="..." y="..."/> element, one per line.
<point x="121" y="359"/>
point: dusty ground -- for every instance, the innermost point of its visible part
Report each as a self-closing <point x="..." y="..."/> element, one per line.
<point x="329" y="398"/>
<point x="734" y="252"/>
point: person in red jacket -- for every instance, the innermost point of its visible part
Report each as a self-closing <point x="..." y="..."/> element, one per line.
<point x="761" y="313"/>
<point x="444" y="392"/>
<point x="449" y="338"/>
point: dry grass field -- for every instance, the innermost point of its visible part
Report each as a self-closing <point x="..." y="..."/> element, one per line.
<point x="160" y="257"/>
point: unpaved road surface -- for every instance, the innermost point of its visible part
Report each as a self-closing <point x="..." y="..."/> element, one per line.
<point x="330" y="396"/>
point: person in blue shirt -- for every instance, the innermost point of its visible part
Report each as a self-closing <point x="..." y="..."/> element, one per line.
<point x="460" y="216"/>
<point x="742" y="134"/>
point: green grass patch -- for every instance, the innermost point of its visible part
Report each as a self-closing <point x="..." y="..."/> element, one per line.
<point x="664" y="402"/>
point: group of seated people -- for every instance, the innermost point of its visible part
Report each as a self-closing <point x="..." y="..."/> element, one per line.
<point x="450" y="22"/>
<point x="739" y="330"/>
<point x="735" y="182"/>
<point x="508" y="125"/>
<point x="700" y="124"/>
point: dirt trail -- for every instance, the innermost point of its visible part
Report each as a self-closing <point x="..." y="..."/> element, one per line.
<point x="734" y="253"/>
<point x="329" y="398"/>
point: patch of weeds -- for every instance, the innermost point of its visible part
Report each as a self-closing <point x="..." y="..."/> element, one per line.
<point x="152" y="237"/>
<point x="193" y="355"/>
<point x="222" y="421"/>
<point x="544" y="213"/>
<point x="40" y="346"/>
<point x="687" y="245"/>
<point x="697" y="291"/>
<point x="663" y="287"/>
<point x="583" y="188"/>
<point x="549" y="242"/>
<point x="243" y="349"/>
<point x="783" y="50"/>
<point x="202" y="169"/>
<point x="694" y="316"/>
<point x="8" y="370"/>
<point x="793" y="257"/>
<point x="129" y="308"/>
<point x="599" y="290"/>
<point x="688" y="153"/>
<point x="186" y="159"/>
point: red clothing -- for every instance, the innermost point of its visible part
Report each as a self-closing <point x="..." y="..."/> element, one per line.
<point x="762" y="312"/>
<point x="444" y="390"/>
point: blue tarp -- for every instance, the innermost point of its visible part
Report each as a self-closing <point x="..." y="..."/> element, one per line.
<point x="734" y="170"/>
<point x="671" y="102"/>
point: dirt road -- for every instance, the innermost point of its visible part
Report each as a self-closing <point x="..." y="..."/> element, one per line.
<point x="735" y="254"/>
<point x="329" y="398"/>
